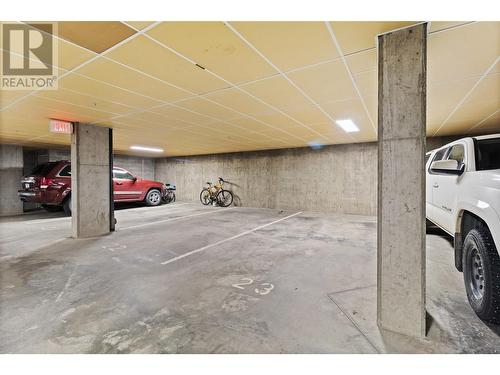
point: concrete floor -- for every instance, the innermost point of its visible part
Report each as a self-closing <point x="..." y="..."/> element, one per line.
<point x="184" y="278"/>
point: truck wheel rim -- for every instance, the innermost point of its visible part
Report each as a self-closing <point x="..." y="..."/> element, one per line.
<point x="476" y="274"/>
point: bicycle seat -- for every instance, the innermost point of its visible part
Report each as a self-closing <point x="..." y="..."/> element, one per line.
<point x="209" y="183"/>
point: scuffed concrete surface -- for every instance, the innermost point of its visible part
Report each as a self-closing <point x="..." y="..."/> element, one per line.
<point x="267" y="292"/>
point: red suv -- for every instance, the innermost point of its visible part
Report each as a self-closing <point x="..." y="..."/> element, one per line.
<point x="50" y="186"/>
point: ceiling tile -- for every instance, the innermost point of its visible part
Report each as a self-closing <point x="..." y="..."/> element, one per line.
<point x="214" y="46"/>
<point x="201" y="105"/>
<point x="104" y="91"/>
<point x="238" y="101"/>
<point x="183" y="114"/>
<point x="357" y="36"/>
<point x="484" y="100"/>
<point x="325" y="82"/>
<point x="70" y="56"/>
<point x="490" y="124"/>
<point x="110" y="72"/>
<point x="151" y="58"/>
<point x="139" y="25"/>
<point x="290" y="45"/>
<point x="63" y="95"/>
<point x="251" y="125"/>
<point x="442" y="98"/>
<point x="7" y="96"/>
<point x="367" y="83"/>
<point x="362" y="61"/>
<point x="96" y="36"/>
<point x="278" y="92"/>
<point x="463" y="52"/>
<point x="442" y="25"/>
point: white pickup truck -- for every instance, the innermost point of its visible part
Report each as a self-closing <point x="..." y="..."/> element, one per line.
<point x="463" y="199"/>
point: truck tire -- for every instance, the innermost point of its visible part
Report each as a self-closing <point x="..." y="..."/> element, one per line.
<point x="67" y="206"/>
<point x="481" y="269"/>
<point x="153" y="197"/>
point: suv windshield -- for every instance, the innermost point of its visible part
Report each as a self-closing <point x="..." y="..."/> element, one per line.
<point x="43" y="169"/>
<point x="487" y="154"/>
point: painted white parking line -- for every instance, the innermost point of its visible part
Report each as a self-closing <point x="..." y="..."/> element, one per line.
<point x="117" y="213"/>
<point x="43" y="221"/>
<point x="228" y="239"/>
<point x="43" y="244"/>
<point x="139" y="210"/>
<point x="176" y="218"/>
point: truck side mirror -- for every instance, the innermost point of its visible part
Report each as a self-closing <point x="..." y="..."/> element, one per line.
<point x="450" y="166"/>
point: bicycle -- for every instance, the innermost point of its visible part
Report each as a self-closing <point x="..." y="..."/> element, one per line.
<point x="216" y="194"/>
<point x="169" y="195"/>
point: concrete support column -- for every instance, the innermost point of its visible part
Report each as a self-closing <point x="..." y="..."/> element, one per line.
<point x="11" y="171"/>
<point x="401" y="180"/>
<point x="91" y="188"/>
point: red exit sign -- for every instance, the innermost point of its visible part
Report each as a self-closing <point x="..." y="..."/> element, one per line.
<point x="60" y="126"/>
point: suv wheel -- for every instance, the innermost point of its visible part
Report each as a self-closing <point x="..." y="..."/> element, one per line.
<point x="481" y="268"/>
<point x="67" y="206"/>
<point x="153" y="197"/>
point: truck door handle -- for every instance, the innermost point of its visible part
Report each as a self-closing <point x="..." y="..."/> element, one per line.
<point x="436" y="185"/>
<point x="119" y="183"/>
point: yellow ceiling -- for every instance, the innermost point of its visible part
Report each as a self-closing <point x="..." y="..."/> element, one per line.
<point x="211" y="87"/>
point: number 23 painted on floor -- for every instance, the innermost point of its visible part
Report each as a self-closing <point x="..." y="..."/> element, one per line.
<point x="263" y="289"/>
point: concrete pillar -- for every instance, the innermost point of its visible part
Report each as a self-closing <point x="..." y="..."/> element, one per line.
<point x="11" y="171"/>
<point x="91" y="189"/>
<point x="401" y="180"/>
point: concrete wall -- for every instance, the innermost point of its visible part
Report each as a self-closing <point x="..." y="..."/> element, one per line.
<point x="11" y="171"/>
<point x="339" y="178"/>
<point x="143" y="167"/>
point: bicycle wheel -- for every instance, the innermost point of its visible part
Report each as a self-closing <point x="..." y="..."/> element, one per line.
<point x="205" y="197"/>
<point x="224" y="198"/>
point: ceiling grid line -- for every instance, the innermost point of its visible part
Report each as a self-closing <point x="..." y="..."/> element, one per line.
<point x="490" y="68"/>
<point x="233" y="85"/>
<point x="102" y="54"/>
<point x="344" y="60"/>
<point x="284" y="75"/>
<point x="164" y="103"/>
<point x="484" y="120"/>
<point x="194" y="95"/>
<point x="76" y="94"/>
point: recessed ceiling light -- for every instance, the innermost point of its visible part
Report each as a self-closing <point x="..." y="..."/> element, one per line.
<point x="149" y="149"/>
<point x="348" y="126"/>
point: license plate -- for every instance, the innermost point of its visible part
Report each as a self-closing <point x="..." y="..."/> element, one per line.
<point x="26" y="186"/>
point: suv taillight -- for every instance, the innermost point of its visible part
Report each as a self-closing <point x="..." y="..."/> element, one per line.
<point x="45" y="182"/>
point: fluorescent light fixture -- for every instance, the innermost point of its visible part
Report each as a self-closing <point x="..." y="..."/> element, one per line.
<point x="149" y="149"/>
<point x="348" y="126"/>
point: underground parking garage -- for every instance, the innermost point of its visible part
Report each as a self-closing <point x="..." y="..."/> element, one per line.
<point x="312" y="211"/>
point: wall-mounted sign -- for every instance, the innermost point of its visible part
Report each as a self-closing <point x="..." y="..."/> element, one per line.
<point x="60" y="126"/>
